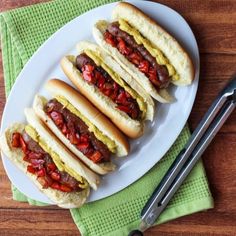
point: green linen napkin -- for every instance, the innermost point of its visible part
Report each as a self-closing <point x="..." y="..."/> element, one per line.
<point x="22" y="32"/>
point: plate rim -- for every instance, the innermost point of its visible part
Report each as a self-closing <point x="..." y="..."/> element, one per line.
<point x="25" y="68"/>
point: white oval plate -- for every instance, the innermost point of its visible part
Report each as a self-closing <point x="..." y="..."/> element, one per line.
<point x="159" y="135"/>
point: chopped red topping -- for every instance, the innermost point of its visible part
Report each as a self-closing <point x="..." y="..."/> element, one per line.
<point x="102" y="80"/>
<point x="77" y="132"/>
<point x="40" y="164"/>
<point x="135" y="58"/>
<point x="25" y="158"/>
<point x="23" y="144"/>
<point x="132" y="51"/>
<point x="48" y="180"/>
<point x="55" y="185"/>
<point x="123" y="108"/>
<point x="88" y="74"/>
<point x="96" y="156"/>
<point x="110" y="39"/>
<point x="121" y="98"/>
<point x="152" y="73"/>
<point x="123" y="47"/>
<point x="55" y="176"/>
<point x="144" y="66"/>
<point x="57" y="117"/>
<point x="51" y="167"/>
<point x="37" y="163"/>
<point x="73" y="139"/>
<point x="41" y="172"/>
<point x="65" y="188"/>
<point x="84" y="138"/>
<point x="83" y="146"/>
<point x="64" y="129"/>
<point x="16" y="140"/>
<point x="31" y="169"/>
<point x="43" y="181"/>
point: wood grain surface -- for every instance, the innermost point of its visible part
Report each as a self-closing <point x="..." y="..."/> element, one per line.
<point x="214" y="25"/>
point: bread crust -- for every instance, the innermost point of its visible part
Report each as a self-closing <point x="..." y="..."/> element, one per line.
<point x="112" y="64"/>
<point x="58" y="87"/>
<point x="38" y="106"/>
<point x="62" y="199"/>
<point x="65" y="155"/>
<point x="158" y="37"/>
<point x="132" y="128"/>
<point x="98" y="30"/>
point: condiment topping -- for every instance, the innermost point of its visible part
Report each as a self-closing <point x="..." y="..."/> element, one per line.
<point x="141" y="53"/>
<point x="41" y="164"/>
<point x="77" y="132"/>
<point x="97" y="76"/>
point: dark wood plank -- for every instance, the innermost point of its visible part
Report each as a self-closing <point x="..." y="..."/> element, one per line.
<point x="213" y="23"/>
<point x="220" y="220"/>
<point x="216" y="71"/>
<point x="6" y="5"/>
<point x="36" y="222"/>
<point x="200" y="224"/>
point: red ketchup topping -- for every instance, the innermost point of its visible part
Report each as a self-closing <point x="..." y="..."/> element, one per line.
<point x="41" y="164"/>
<point x="137" y="55"/>
<point x="75" y="130"/>
<point x="97" y="76"/>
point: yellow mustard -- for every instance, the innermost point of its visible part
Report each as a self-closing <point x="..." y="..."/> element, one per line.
<point x="155" y="52"/>
<point x="92" y="128"/>
<point x="99" y="62"/>
<point x="60" y="165"/>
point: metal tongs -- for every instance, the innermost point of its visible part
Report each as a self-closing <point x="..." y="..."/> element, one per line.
<point x="211" y="123"/>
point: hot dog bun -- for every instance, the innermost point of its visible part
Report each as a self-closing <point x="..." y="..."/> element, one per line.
<point x="62" y="199"/>
<point x="108" y="60"/>
<point x="132" y="128"/>
<point x="66" y="157"/>
<point x="158" y="37"/>
<point x="59" y="88"/>
<point x="102" y="168"/>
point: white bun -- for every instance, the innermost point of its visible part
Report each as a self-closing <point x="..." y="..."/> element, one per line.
<point x="58" y="87"/>
<point x="132" y="128"/>
<point x="111" y="63"/>
<point x="67" y="157"/>
<point x="62" y="199"/>
<point x="38" y="105"/>
<point x="158" y="37"/>
<point x="161" y="95"/>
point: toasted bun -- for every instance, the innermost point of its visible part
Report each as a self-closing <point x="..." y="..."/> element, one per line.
<point x="58" y="87"/>
<point x="67" y="157"/>
<point x="109" y="61"/>
<point x="38" y="105"/>
<point x="130" y="127"/>
<point x="162" y="95"/>
<point x="65" y="200"/>
<point x="158" y="37"/>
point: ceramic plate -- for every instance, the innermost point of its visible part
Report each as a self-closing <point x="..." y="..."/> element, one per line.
<point x="159" y="135"/>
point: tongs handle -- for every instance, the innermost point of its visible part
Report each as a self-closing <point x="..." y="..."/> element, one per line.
<point x="187" y="158"/>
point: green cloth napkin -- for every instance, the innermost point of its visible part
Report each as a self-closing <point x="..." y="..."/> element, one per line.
<point x="22" y="32"/>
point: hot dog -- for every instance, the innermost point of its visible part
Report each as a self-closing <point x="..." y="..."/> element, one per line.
<point x="145" y="50"/>
<point x="53" y="169"/>
<point x="109" y="87"/>
<point x="81" y="127"/>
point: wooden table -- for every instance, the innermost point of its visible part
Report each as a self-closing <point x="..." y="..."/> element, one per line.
<point x="214" y="25"/>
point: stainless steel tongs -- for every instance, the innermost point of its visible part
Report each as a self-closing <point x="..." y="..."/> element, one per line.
<point x="212" y="121"/>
